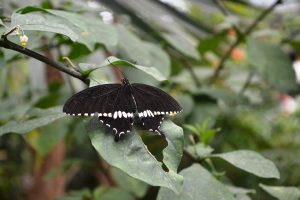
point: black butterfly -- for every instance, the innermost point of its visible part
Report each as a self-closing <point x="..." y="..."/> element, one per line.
<point x="116" y="105"/>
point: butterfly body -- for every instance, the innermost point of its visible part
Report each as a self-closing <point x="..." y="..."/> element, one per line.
<point x="117" y="105"/>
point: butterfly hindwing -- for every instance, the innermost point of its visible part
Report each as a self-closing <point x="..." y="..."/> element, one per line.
<point x="152" y="105"/>
<point x="121" y="120"/>
<point x="119" y="126"/>
<point x="153" y="123"/>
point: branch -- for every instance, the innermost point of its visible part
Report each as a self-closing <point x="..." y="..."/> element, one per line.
<point x="5" y="43"/>
<point x="240" y="38"/>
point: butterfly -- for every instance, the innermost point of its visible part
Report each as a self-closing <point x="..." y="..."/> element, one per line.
<point x="118" y="105"/>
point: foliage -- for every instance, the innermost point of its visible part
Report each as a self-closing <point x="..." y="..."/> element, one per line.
<point x="228" y="63"/>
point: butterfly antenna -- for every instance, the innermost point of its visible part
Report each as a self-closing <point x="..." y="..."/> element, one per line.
<point x="94" y="80"/>
<point x="117" y="68"/>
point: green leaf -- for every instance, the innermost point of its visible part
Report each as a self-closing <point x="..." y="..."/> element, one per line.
<point x="86" y="30"/>
<point x="22" y="127"/>
<point x="51" y="135"/>
<point x="92" y="30"/>
<point x="198" y="184"/>
<point x="112" y="194"/>
<point x="199" y="150"/>
<point x="1" y="23"/>
<point x="240" y="193"/>
<point x="136" y="187"/>
<point x="282" y="193"/>
<point x="272" y="64"/>
<point x="144" y="53"/>
<point x="152" y="71"/>
<point x="173" y="152"/>
<point x="45" y="22"/>
<point x="38" y="112"/>
<point x="182" y="45"/>
<point x="239" y="190"/>
<point x="133" y="157"/>
<point x="251" y="162"/>
<point x="187" y="102"/>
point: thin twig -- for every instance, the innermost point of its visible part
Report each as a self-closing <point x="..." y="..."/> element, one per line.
<point x="191" y="71"/>
<point x="5" y="43"/>
<point x="9" y="32"/>
<point x="240" y="38"/>
<point x="247" y="83"/>
<point x="223" y="9"/>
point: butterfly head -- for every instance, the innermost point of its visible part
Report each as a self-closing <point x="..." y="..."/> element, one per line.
<point x="125" y="81"/>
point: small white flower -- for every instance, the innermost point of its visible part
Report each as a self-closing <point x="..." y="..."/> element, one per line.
<point x="23" y="39"/>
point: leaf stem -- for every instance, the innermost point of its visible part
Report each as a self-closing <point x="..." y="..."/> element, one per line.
<point x="240" y="38"/>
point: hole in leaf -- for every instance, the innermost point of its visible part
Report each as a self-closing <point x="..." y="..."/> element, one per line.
<point x="154" y="143"/>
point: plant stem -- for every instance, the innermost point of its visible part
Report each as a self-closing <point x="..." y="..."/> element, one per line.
<point x="5" y="43"/>
<point x="240" y="38"/>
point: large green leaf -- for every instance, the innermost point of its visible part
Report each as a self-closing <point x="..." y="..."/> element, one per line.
<point x="130" y="184"/>
<point x="198" y="184"/>
<point x="112" y="194"/>
<point x="141" y="52"/>
<point x="272" y="64"/>
<point x="93" y="30"/>
<point x="50" y="136"/>
<point x="86" y="30"/>
<point x="282" y="193"/>
<point x="240" y="193"/>
<point x="199" y="150"/>
<point x="152" y="71"/>
<point x="28" y="125"/>
<point x="251" y="162"/>
<point x="45" y="22"/>
<point x="134" y="49"/>
<point x="173" y="152"/>
<point x="133" y="157"/>
<point x="182" y="45"/>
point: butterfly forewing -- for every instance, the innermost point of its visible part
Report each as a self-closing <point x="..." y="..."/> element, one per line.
<point x="92" y="100"/>
<point x="112" y="103"/>
<point x="155" y="100"/>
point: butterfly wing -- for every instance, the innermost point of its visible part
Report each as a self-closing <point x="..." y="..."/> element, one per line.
<point x="153" y="104"/>
<point x="111" y="102"/>
<point x="92" y="100"/>
<point x="153" y="123"/>
<point x="119" y="126"/>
